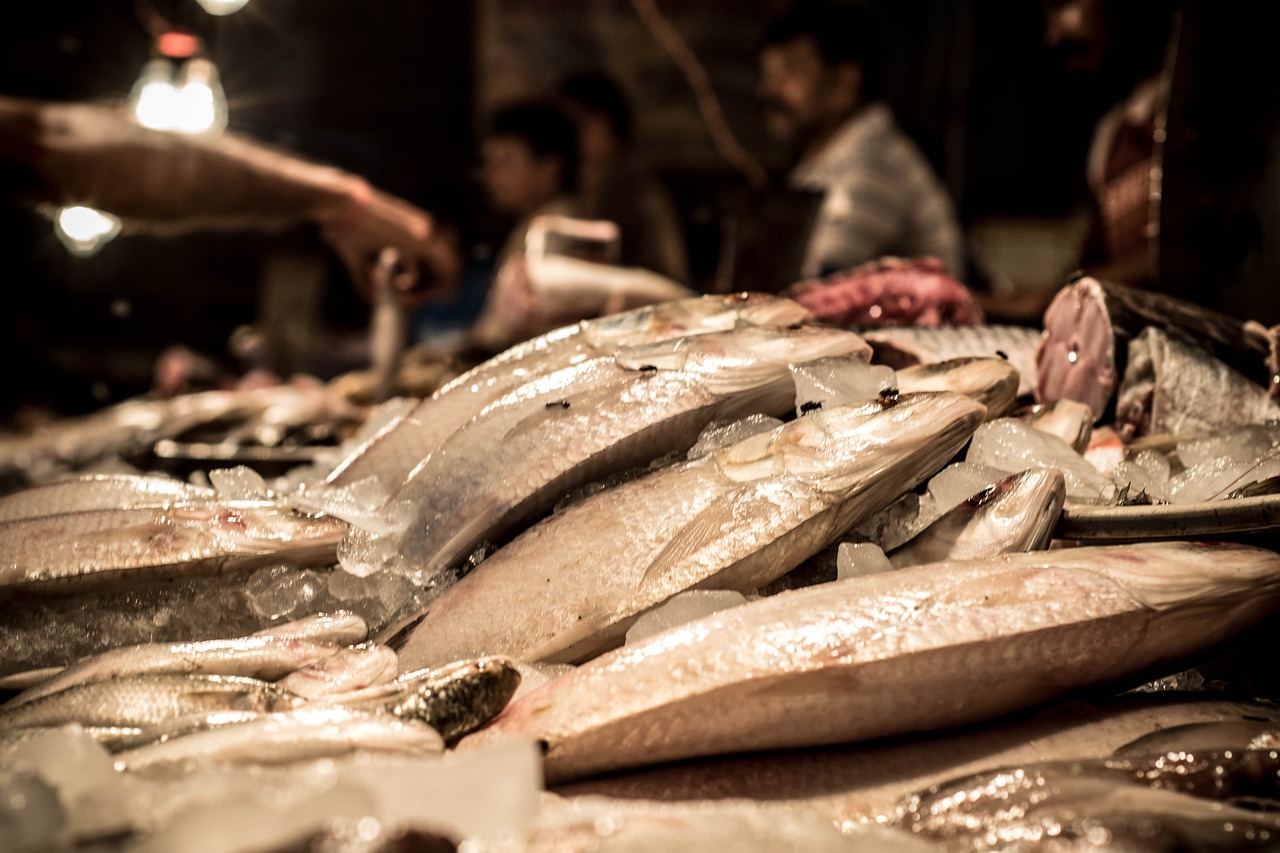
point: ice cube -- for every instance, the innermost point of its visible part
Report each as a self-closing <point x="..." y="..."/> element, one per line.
<point x="1011" y="446"/>
<point x="855" y="559"/>
<point x="31" y="814"/>
<point x="68" y="759"/>
<point x="280" y="592"/>
<point x="681" y="608"/>
<point x="721" y="435"/>
<point x="240" y="483"/>
<point x="839" y="381"/>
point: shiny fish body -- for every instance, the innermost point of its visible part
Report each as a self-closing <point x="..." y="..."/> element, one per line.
<point x="98" y="491"/>
<point x="993" y="382"/>
<point x="395" y="451"/>
<point x="903" y="346"/>
<point x="295" y="735"/>
<point x="525" y="452"/>
<point x="81" y="550"/>
<point x="1018" y="513"/>
<point x="266" y="658"/>
<point x="340" y="627"/>
<point x="146" y="700"/>
<point x="737" y="519"/>
<point x="894" y="653"/>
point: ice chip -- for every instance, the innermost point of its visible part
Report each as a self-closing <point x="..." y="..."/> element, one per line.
<point x="278" y="592"/>
<point x="240" y="483"/>
<point x="680" y="608"/>
<point x="855" y="559"/>
<point x="68" y="759"/>
<point x="838" y="381"/>
<point x="721" y="435"/>
<point x="362" y="503"/>
<point x="1012" y="446"/>
<point x="534" y="675"/>
<point x="31" y="814"/>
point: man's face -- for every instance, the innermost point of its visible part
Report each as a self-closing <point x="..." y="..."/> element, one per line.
<point x="802" y="95"/>
<point x="518" y="181"/>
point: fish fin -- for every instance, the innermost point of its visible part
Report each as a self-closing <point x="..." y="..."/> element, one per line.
<point x="736" y="525"/>
<point x="400" y="636"/>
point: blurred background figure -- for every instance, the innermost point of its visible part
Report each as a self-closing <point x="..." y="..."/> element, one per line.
<point x="613" y="184"/>
<point x="821" y="85"/>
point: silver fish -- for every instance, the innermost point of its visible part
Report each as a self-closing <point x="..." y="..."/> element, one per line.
<point x="1018" y="513"/>
<point x="904" y="346"/>
<point x="390" y="455"/>
<point x="348" y="669"/>
<point x="71" y="552"/>
<point x="454" y="699"/>
<point x="98" y="491"/>
<point x="341" y="627"/>
<point x="266" y="658"/>
<point x="512" y="463"/>
<point x="293" y="735"/>
<point x="143" y="700"/>
<point x="991" y="381"/>
<point x="736" y="519"/>
<point x="893" y="653"/>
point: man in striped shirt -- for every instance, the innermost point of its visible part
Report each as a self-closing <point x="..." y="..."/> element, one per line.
<point x="821" y="85"/>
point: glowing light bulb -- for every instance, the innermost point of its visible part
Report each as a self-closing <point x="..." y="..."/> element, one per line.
<point x="187" y="100"/>
<point x="84" y="230"/>
<point x="222" y="7"/>
<point x="155" y="98"/>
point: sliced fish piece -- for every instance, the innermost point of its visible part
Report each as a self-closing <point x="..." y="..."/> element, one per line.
<point x="1018" y="513"/>
<point x="993" y="382"/>
<point x="393" y="453"/>
<point x="266" y="658"/>
<point x="82" y="550"/>
<point x="736" y="519"/>
<point x="143" y="700"/>
<point x="288" y="736"/>
<point x="894" y="653"/>
<point x="511" y="464"/>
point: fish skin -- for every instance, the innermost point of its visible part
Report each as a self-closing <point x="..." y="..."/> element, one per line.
<point x="589" y="421"/>
<point x="77" y="551"/>
<point x="144" y="700"/>
<point x="339" y="627"/>
<point x="893" y="653"/>
<point x="293" y="735"/>
<point x="1018" y="513"/>
<point x="392" y="454"/>
<point x="904" y="346"/>
<point x="348" y="669"/>
<point x="266" y="658"/>
<point x="735" y="519"/>
<point x="989" y="380"/>
<point x="867" y="783"/>
<point x="98" y="491"/>
<point x="458" y="698"/>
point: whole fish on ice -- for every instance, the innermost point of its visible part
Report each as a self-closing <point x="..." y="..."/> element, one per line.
<point x="893" y="653"/>
<point x="735" y="519"/>
<point x="604" y="416"/>
<point x="393" y="453"/>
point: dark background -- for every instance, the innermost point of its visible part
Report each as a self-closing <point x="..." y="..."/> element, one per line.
<point x="396" y="91"/>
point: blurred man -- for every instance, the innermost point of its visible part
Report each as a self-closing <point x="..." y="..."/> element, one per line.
<point x="820" y="80"/>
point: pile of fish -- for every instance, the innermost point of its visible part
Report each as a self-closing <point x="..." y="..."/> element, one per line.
<point x="706" y="573"/>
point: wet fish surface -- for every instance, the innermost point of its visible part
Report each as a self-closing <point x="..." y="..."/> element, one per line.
<point x="993" y="382"/>
<point x="391" y="455"/>
<point x="735" y="519"/>
<point x="905" y="346"/>
<point x="511" y="465"/>
<point x="893" y="653"/>
<point x="98" y="491"/>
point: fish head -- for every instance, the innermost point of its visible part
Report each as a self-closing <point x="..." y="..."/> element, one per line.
<point x="744" y="357"/>
<point x="257" y="525"/>
<point x="835" y="448"/>
<point x="1022" y="508"/>
<point x="1197" y="575"/>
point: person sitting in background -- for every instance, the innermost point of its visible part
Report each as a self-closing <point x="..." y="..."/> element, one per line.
<point x="529" y="166"/>
<point x="55" y="153"/>
<point x="613" y="185"/>
<point x="820" y="81"/>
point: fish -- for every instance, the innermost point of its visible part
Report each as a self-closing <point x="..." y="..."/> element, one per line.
<point x="1175" y="387"/>
<point x="454" y="699"/>
<point x="98" y="491"/>
<point x="735" y="519"/>
<point x="605" y="416"/>
<point x="340" y="627"/>
<point x="142" y="700"/>
<point x="991" y="381"/>
<point x="1017" y="513"/>
<point x="904" y="346"/>
<point x="347" y="669"/>
<point x="893" y="653"/>
<point x="294" y="735"/>
<point x="1163" y="801"/>
<point x="68" y="553"/>
<point x="266" y="658"/>
<point x="390" y="455"/>
<point x="1083" y="350"/>
<point x="868" y="783"/>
